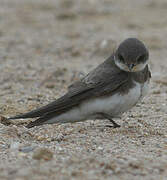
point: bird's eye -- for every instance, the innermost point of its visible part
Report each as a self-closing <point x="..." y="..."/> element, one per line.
<point x="141" y="58"/>
<point x="121" y="58"/>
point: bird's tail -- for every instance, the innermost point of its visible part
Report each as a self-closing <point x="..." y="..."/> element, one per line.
<point x="40" y="111"/>
<point x="32" y="114"/>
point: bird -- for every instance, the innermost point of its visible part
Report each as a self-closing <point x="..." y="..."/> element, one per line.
<point x="109" y="90"/>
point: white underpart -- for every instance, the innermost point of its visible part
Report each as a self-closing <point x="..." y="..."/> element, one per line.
<point x="114" y="105"/>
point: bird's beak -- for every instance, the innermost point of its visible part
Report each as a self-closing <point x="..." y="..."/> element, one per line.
<point x="130" y="66"/>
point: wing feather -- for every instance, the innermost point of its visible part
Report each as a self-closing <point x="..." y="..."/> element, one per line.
<point x="106" y="78"/>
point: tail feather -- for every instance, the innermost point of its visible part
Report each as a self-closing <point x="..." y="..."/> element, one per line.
<point x="58" y="104"/>
<point x="31" y="114"/>
<point x="34" y="123"/>
<point x="43" y="119"/>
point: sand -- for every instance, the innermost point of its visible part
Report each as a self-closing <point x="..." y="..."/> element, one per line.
<point x="44" y="47"/>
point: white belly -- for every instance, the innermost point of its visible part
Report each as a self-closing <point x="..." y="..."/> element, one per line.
<point x="116" y="104"/>
<point x="113" y="105"/>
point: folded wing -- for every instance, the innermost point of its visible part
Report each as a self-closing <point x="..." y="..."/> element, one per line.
<point x="103" y="80"/>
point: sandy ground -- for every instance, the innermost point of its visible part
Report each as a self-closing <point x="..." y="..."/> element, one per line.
<point x="44" y="46"/>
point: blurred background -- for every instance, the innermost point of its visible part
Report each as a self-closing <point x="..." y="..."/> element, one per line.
<point x="45" y="45"/>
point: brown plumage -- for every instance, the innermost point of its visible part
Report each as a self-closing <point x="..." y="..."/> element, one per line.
<point x="106" y="80"/>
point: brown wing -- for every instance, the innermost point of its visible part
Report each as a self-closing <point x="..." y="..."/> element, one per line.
<point x="103" y="80"/>
<point x="76" y="97"/>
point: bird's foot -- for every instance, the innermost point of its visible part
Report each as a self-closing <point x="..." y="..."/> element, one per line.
<point x="115" y="125"/>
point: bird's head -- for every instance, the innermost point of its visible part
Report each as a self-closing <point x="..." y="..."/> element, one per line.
<point x="131" y="55"/>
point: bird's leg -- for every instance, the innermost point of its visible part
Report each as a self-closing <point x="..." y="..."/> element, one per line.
<point x="115" y="125"/>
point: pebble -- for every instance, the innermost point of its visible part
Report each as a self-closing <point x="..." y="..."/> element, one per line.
<point x="4" y="121"/>
<point x="43" y="154"/>
<point x="27" y="149"/>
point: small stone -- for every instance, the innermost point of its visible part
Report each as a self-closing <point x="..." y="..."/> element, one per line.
<point x="156" y="92"/>
<point x="135" y="165"/>
<point x="50" y="85"/>
<point x="100" y="148"/>
<point x="4" y="121"/>
<point x="26" y="149"/>
<point x="41" y="138"/>
<point x="43" y="154"/>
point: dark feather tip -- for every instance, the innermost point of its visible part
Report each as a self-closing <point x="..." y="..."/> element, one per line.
<point x="15" y="117"/>
<point x="34" y="123"/>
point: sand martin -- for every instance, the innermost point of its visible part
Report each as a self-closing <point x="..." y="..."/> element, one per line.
<point x="109" y="90"/>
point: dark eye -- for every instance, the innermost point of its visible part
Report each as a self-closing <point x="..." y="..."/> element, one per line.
<point x="141" y="59"/>
<point x="121" y="58"/>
